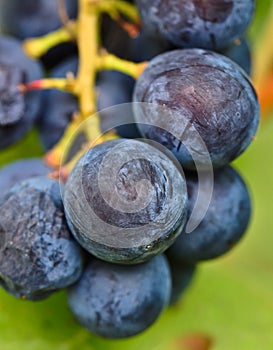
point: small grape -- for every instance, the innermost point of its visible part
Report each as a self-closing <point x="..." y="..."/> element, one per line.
<point x="115" y="301"/>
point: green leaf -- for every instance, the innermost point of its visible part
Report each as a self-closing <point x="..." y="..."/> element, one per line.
<point x="28" y="147"/>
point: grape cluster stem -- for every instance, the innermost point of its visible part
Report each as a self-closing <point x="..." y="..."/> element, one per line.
<point x="91" y="60"/>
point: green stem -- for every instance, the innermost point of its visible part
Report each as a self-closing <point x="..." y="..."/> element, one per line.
<point x="112" y="62"/>
<point x="37" y="47"/>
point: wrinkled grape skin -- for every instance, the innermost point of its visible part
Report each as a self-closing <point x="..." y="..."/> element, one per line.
<point x="208" y="24"/>
<point x="116" y="235"/>
<point x="11" y="54"/>
<point x="115" y="301"/>
<point x="209" y="91"/>
<point x="224" y="224"/>
<point x="38" y="254"/>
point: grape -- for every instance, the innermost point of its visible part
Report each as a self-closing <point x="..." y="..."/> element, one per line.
<point x="208" y="24"/>
<point x="59" y="107"/>
<point x="21" y="170"/>
<point x="114" y="38"/>
<point x="205" y="90"/>
<point x="17" y="111"/>
<point x="115" y="88"/>
<point x="27" y="19"/>
<point x="240" y="53"/>
<point x="224" y="224"/>
<point x="144" y="48"/>
<point x="124" y="201"/>
<point x="182" y="275"/>
<point x="115" y="301"/>
<point x="38" y="255"/>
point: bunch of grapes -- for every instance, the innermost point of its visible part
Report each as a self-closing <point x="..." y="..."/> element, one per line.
<point x="145" y="188"/>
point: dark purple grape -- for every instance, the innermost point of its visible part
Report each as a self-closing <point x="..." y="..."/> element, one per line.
<point x="18" y="111"/>
<point x="114" y="38"/>
<point x="21" y="170"/>
<point x="182" y="275"/>
<point x="115" y="88"/>
<point x="239" y="52"/>
<point x="58" y="106"/>
<point x="224" y="224"/>
<point x="208" y="24"/>
<point x="145" y="47"/>
<point x="124" y="201"/>
<point x="193" y="96"/>
<point x="38" y="255"/>
<point x="116" y="301"/>
<point x="27" y="19"/>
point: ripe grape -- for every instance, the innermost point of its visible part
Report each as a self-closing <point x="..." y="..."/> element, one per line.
<point x="197" y="94"/>
<point x="21" y="170"/>
<point x="224" y="224"/>
<point x="124" y="201"/>
<point x="17" y="111"/>
<point x="208" y="24"/>
<point x="38" y="255"/>
<point x="115" y="301"/>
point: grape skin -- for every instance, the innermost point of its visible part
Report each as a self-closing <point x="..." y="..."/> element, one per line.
<point x="207" y="90"/>
<point x="27" y="19"/>
<point x="208" y="24"/>
<point x="117" y="235"/>
<point x="38" y="254"/>
<point x="115" y="301"/>
<point x="224" y="224"/>
<point x="12" y="55"/>
<point x="21" y="170"/>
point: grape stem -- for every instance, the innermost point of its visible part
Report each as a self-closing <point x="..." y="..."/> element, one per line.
<point x="37" y="47"/>
<point x="91" y="60"/>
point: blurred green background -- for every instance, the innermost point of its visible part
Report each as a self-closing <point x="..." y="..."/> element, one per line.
<point x="230" y="300"/>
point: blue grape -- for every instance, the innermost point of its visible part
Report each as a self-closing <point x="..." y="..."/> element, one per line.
<point x="240" y="53"/>
<point x="38" y="255"/>
<point x="26" y="19"/>
<point x="30" y="19"/>
<point x="115" y="88"/>
<point x="21" y="170"/>
<point x="182" y="275"/>
<point x="115" y="301"/>
<point x="224" y="224"/>
<point x="144" y="47"/>
<point x="206" y="90"/>
<point x="17" y="111"/>
<point x="59" y="107"/>
<point x="208" y="24"/>
<point x="109" y="214"/>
